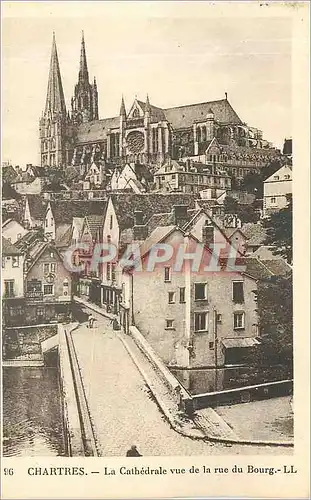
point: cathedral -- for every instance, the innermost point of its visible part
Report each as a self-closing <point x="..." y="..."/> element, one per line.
<point x="146" y="134"/>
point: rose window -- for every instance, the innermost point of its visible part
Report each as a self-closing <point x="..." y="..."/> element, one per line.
<point x="135" y="142"/>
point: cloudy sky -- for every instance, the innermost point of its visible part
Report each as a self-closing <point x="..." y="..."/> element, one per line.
<point x="179" y="53"/>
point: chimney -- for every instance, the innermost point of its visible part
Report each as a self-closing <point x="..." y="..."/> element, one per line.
<point x="180" y="214"/>
<point x="208" y="234"/>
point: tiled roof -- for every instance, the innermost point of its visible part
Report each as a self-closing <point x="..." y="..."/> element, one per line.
<point x="167" y="219"/>
<point x="8" y="248"/>
<point x="8" y="193"/>
<point x="156" y="114"/>
<point x="65" y="210"/>
<point x="185" y="116"/>
<point x="9" y="174"/>
<point x="37" y="206"/>
<point x="63" y="239"/>
<point x="254" y="233"/>
<point x="94" y="223"/>
<point x="96" y="130"/>
<point x="125" y="204"/>
<point x="155" y="237"/>
<point x="278" y="267"/>
<point x="255" y="268"/>
<point x="27" y="240"/>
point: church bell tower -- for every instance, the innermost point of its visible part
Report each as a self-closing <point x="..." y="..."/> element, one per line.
<point x="84" y="103"/>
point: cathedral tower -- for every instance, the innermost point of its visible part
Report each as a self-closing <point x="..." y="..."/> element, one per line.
<point x="84" y="104"/>
<point x="54" y="121"/>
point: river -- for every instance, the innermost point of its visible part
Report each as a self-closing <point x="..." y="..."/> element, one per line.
<point x="32" y="412"/>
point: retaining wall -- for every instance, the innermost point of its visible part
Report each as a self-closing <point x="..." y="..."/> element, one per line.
<point x="244" y="394"/>
<point x="180" y="394"/>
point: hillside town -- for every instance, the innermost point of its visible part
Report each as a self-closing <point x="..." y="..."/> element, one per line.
<point x="110" y="224"/>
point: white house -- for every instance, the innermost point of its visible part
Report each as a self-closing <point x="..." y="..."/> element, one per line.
<point x="126" y="179"/>
<point x="276" y="190"/>
<point x="12" y="276"/>
<point x="13" y="230"/>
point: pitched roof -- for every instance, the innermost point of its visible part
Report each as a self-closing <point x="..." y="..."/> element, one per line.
<point x="278" y="267"/>
<point x="8" y="248"/>
<point x="8" y="193"/>
<point x="125" y="204"/>
<point x="63" y="238"/>
<point x="26" y="241"/>
<point x="156" y="114"/>
<point x="9" y="174"/>
<point x="167" y="219"/>
<point x="94" y="223"/>
<point x="37" y="206"/>
<point x="255" y="268"/>
<point x="254" y="233"/>
<point x="155" y="237"/>
<point x="185" y="116"/>
<point x="96" y="130"/>
<point x="65" y="210"/>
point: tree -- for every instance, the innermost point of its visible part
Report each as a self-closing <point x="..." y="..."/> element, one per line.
<point x="280" y="232"/>
<point x="274" y="356"/>
<point x="245" y="212"/>
<point x="253" y="183"/>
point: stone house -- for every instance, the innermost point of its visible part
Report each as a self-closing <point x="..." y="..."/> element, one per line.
<point x="191" y="318"/>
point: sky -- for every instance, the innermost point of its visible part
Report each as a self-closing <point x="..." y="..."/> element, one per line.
<point x="193" y="53"/>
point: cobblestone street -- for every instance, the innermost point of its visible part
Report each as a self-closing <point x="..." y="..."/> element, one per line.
<point x="122" y="411"/>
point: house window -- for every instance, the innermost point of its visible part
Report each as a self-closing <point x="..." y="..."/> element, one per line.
<point x="200" y="291"/>
<point x="238" y="292"/>
<point x="113" y="272"/>
<point x="108" y="271"/>
<point x="167" y="274"/>
<point x="108" y="238"/>
<point x="19" y="235"/>
<point x="15" y="261"/>
<point x="40" y="311"/>
<point x="171" y="297"/>
<point x="9" y="288"/>
<point x="65" y="287"/>
<point x="111" y="222"/>
<point x="238" y="320"/>
<point x="211" y="345"/>
<point x="46" y="223"/>
<point x="182" y="295"/>
<point x="3" y="262"/>
<point x="287" y="177"/>
<point x="200" y="322"/>
<point x="273" y="200"/>
<point x="16" y="311"/>
<point x="218" y="318"/>
<point x="53" y="267"/>
<point x="169" y="324"/>
<point x="46" y="268"/>
<point x="48" y="290"/>
<point x="276" y="177"/>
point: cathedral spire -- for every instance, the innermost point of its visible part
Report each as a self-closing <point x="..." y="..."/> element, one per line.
<point x="122" y="108"/>
<point x="55" y="101"/>
<point x="83" y="71"/>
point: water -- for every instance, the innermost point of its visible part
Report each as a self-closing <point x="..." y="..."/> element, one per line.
<point x="32" y="412"/>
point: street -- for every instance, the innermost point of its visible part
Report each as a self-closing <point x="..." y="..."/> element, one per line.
<point x="122" y="411"/>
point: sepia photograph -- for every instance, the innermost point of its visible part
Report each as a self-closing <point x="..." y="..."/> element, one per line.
<point x="147" y="234"/>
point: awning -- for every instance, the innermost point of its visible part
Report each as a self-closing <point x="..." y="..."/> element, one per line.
<point x="240" y="342"/>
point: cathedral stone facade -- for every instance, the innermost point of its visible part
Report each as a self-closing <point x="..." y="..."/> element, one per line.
<point x="146" y="134"/>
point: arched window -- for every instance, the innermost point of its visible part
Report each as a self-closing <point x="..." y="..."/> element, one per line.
<point x="135" y="113"/>
<point x="203" y="134"/>
<point x="198" y="134"/>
